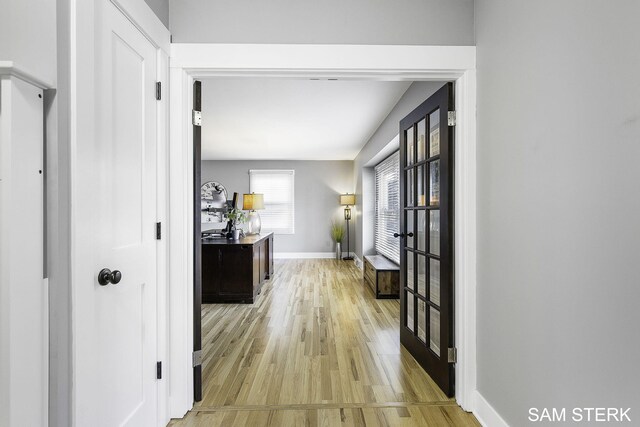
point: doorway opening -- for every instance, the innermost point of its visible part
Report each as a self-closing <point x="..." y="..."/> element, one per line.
<point x="252" y="354"/>
<point x="187" y="71"/>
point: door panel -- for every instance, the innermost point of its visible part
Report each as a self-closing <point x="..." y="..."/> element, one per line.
<point x="197" y="242"/>
<point x="116" y="340"/>
<point x="426" y="195"/>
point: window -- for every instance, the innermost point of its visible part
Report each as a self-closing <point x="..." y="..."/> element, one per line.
<point x="387" y="208"/>
<point x="277" y="187"/>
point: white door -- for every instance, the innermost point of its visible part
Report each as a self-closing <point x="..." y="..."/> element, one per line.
<point x="115" y="325"/>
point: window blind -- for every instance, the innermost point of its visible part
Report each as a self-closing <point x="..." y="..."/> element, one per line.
<point x="278" y="188"/>
<point x="387" y="210"/>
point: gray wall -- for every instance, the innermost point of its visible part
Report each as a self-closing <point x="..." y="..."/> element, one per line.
<point x="161" y="9"/>
<point x="317" y="186"/>
<point x="28" y="36"/>
<point x="412" y="22"/>
<point x="376" y="150"/>
<point x="558" y="204"/>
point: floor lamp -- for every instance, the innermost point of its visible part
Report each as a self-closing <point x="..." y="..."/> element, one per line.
<point x="347" y="200"/>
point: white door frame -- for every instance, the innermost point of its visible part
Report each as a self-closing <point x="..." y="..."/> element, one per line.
<point x="346" y="62"/>
<point x="82" y="36"/>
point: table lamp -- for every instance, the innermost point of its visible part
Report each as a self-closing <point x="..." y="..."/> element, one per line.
<point x="253" y="202"/>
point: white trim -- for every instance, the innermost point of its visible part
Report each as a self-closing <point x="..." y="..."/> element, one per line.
<point x="345" y="61"/>
<point x="146" y="21"/>
<point x="274" y="171"/>
<point x="10" y="68"/>
<point x="465" y="238"/>
<point x="484" y="412"/>
<point x="46" y="351"/>
<point x="179" y="246"/>
<point x="162" y="244"/>
<point x="303" y="255"/>
<point x="400" y="63"/>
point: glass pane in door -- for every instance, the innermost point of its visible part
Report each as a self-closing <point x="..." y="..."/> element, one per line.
<point x="422" y="320"/>
<point x="434" y="232"/>
<point x="422" y="200"/>
<point x="410" y="270"/>
<point x="421" y="237"/>
<point x="409" y="225"/>
<point x="410" y="146"/>
<point x="434" y="133"/>
<point x="410" y="316"/>
<point x="422" y="275"/>
<point x="422" y="140"/>
<point x="434" y="183"/>
<point x="434" y="330"/>
<point x="409" y="187"/>
<point x="434" y="281"/>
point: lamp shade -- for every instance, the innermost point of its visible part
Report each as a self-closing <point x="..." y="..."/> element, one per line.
<point x="253" y="201"/>
<point x="348" y="199"/>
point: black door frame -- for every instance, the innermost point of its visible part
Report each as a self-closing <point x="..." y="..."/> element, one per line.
<point x="197" y="243"/>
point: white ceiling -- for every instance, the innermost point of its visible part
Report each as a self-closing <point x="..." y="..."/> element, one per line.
<point x="289" y="119"/>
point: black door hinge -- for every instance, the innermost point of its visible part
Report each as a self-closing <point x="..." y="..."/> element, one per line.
<point x="158" y="230"/>
<point x="159" y="370"/>
<point x="158" y="91"/>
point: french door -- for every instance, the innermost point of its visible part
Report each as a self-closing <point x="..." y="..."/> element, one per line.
<point x="197" y="243"/>
<point x="426" y="236"/>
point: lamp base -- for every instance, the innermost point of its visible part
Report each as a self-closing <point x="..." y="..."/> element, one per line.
<point x="348" y="258"/>
<point x="254" y="223"/>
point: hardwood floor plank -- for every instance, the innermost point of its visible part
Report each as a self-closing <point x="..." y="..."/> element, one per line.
<point x="316" y="349"/>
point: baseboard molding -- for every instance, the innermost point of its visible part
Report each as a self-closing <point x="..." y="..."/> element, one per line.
<point x="484" y="412"/>
<point x="358" y="261"/>
<point x="303" y="255"/>
<point x="306" y="255"/>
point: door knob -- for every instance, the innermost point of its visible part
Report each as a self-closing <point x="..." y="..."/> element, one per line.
<point x="409" y="234"/>
<point x="398" y="235"/>
<point x="106" y="276"/>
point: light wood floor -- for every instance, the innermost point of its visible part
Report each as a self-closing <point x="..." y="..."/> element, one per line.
<point x="316" y="349"/>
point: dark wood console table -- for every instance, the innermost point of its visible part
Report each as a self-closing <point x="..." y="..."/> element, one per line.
<point x="234" y="270"/>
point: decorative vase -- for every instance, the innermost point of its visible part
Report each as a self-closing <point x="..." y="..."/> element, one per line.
<point x="338" y="251"/>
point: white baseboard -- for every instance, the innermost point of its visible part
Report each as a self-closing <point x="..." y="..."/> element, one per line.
<point x="484" y="412"/>
<point x="358" y="261"/>
<point x="305" y="255"/>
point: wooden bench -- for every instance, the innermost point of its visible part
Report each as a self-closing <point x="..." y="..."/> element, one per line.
<point x="382" y="275"/>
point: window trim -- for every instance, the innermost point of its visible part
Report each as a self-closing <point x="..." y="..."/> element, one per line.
<point x="377" y="248"/>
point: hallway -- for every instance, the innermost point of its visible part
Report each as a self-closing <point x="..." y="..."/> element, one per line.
<point x="316" y="349"/>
